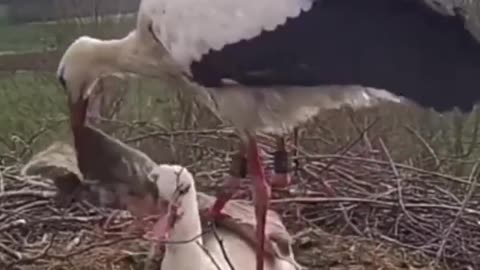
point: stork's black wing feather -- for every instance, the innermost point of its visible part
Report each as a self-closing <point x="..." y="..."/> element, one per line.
<point x="399" y="45"/>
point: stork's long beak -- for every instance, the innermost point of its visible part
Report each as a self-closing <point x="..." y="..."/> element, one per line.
<point x="78" y="114"/>
<point x="78" y="111"/>
<point x="167" y="214"/>
<point x="78" y="104"/>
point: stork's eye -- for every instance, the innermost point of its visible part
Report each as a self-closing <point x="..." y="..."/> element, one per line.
<point x="150" y="29"/>
<point x="62" y="81"/>
<point x="182" y="190"/>
<point x="61" y="78"/>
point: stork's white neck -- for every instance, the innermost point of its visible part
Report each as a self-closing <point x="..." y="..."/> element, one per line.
<point x="187" y="256"/>
<point x="134" y="54"/>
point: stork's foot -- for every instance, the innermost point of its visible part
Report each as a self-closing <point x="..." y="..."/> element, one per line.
<point x="238" y="170"/>
<point x="226" y="193"/>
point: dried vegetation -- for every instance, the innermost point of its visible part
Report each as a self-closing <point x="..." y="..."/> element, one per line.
<point x="404" y="181"/>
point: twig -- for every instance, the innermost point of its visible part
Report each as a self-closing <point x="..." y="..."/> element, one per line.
<point x="209" y="254"/>
<point x="474" y="180"/>
<point x="349" y="221"/>
<point x="27" y="193"/>
<point x="13" y="224"/>
<point x="181" y="242"/>
<point x="2" y="183"/>
<point x="13" y="253"/>
<point x="40" y="255"/>
<point x="425" y="144"/>
<point x="222" y="246"/>
<point x="398" y="181"/>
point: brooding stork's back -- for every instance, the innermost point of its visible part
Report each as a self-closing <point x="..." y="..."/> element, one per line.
<point x="403" y="46"/>
<point x="177" y="185"/>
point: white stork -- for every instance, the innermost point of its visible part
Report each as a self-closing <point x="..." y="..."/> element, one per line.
<point x="264" y="64"/>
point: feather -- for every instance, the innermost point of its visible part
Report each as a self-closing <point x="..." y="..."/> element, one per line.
<point x="190" y="30"/>
<point x="402" y="46"/>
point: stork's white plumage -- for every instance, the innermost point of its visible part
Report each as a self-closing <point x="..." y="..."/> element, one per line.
<point x="268" y="64"/>
<point x="191" y="248"/>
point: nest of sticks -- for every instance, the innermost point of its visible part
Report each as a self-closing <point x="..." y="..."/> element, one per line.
<point x="383" y="214"/>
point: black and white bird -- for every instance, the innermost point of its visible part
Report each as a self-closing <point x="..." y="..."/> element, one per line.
<point x="267" y="65"/>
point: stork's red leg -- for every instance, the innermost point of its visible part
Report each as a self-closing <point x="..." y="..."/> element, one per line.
<point x="262" y="191"/>
<point x="238" y="170"/>
<point x="262" y="197"/>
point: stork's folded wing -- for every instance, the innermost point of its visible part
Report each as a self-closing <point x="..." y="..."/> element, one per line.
<point x="54" y="162"/>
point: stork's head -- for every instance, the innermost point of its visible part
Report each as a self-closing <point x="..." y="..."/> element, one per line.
<point x="173" y="181"/>
<point x="88" y="59"/>
<point x="175" y="186"/>
<point x="81" y="66"/>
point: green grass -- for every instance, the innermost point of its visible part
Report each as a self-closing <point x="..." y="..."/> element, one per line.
<point x="39" y="36"/>
<point x="25" y="37"/>
<point x="30" y="104"/>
